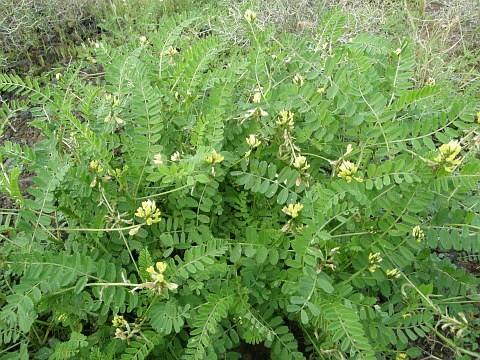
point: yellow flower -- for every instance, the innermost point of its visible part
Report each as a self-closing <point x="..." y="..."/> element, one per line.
<point x="404" y="316"/>
<point x="171" y="50"/>
<point x="401" y="356"/>
<point x="373" y="260"/>
<point x="292" y="210"/>
<point x="255" y="112"/>
<point x="256" y="97"/>
<point x="175" y="156"/>
<point x="451" y="150"/>
<point x="349" y="149"/>
<point x="115" y="172"/>
<point x="158" y="282"/>
<point x="215" y="158"/>
<point x="418" y="233"/>
<point x="298" y="80"/>
<point x="119" y="334"/>
<point x="448" y="155"/>
<point x="157" y="159"/>
<point x="149" y="212"/>
<point x="250" y="15"/>
<point x="134" y="231"/>
<point x="118" y="120"/>
<point x="161" y="266"/>
<point x="170" y="286"/>
<point x="253" y="141"/>
<point x="347" y="170"/>
<point x="286" y="118"/>
<point x="118" y="321"/>
<point x="301" y="163"/>
<point x="95" y="167"/>
<point x="393" y="273"/>
<point x="398" y="51"/>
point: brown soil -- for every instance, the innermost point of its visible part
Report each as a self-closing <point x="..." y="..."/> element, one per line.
<point x="18" y="131"/>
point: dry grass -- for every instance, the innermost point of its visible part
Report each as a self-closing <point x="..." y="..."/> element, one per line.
<point x="446" y="33"/>
<point x="33" y="25"/>
<point x="21" y="21"/>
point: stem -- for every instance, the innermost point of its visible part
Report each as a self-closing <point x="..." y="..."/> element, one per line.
<point x="467" y="225"/>
<point x="95" y="284"/>
<point x="99" y="230"/>
<point x="130" y="252"/>
<point x="350" y="234"/>
<point x="318" y="156"/>
<point x="353" y="276"/>
<point x="453" y="346"/>
<point x="162" y="193"/>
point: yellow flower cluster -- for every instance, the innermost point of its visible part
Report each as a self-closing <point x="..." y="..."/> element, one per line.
<point x="347" y="170"/>
<point x="292" y="210"/>
<point x="286" y="119"/>
<point x="258" y="112"/>
<point x="158" y="159"/>
<point x="457" y="327"/>
<point x="448" y="155"/>
<point x="149" y="212"/>
<point x="373" y="261"/>
<point x="97" y="170"/>
<point x="169" y="51"/>
<point x="250" y="15"/>
<point x="175" y="156"/>
<point x="298" y="80"/>
<point x="418" y="233"/>
<point x="114" y="102"/>
<point x="393" y="273"/>
<point x="256" y="98"/>
<point x="215" y="158"/>
<point x="253" y="141"/>
<point x="95" y="167"/>
<point x="159" y="283"/>
<point x="124" y="330"/>
<point x="301" y="163"/>
<point x="119" y="321"/>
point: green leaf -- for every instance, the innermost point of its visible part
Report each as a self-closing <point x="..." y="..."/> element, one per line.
<point x="262" y="254"/>
<point x="80" y="284"/>
<point x="304" y="317"/>
<point x="282" y="196"/>
<point x="325" y="283"/>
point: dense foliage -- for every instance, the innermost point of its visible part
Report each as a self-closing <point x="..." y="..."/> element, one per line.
<point x="295" y="192"/>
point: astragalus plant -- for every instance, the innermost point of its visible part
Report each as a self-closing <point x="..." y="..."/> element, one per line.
<point x="204" y="198"/>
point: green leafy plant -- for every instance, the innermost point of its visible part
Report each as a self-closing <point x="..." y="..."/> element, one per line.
<point x="206" y="196"/>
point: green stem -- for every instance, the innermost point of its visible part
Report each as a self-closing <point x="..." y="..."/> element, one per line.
<point x="467" y="225"/>
<point x="99" y="230"/>
<point x="318" y="156"/>
<point x="453" y="346"/>
<point x="163" y="193"/>
<point x="350" y="234"/>
<point x="130" y="252"/>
